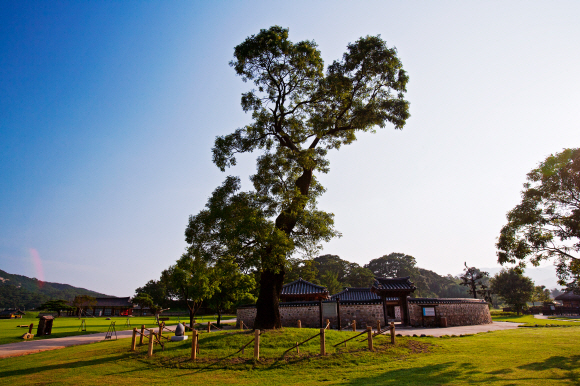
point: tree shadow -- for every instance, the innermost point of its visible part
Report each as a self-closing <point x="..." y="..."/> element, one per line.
<point x="59" y="366"/>
<point x="436" y="374"/>
<point x="570" y="365"/>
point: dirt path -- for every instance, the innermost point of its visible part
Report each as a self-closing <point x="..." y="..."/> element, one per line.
<point x="34" y="346"/>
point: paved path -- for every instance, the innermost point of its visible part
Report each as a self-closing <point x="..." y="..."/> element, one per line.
<point x="34" y="346"/>
<point x="459" y="330"/>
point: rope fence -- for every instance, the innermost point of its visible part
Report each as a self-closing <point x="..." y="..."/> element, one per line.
<point x="156" y="338"/>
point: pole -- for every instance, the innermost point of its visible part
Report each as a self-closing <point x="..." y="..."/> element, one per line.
<point x="194" y="345"/>
<point x="150" y="351"/>
<point x="354" y="325"/>
<point x="370" y="337"/>
<point x="392" y="332"/>
<point x="256" y="344"/>
<point x="338" y="312"/>
<point x="208" y="326"/>
<point x="322" y="341"/>
<point x="134" y="339"/>
<point x="320" y="311"/>
<point x="161" y="325"/>
<point x="142" y="333"/>
<point x="299" y="324"/>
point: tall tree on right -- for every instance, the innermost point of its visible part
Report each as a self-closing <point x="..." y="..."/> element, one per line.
<point x="546" y="224"/>
<point x="513" y="287"/>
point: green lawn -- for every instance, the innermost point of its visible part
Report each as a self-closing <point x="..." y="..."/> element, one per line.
<point x="526" y="356"/>
<point x="67" y="326"/>
<point x="530" y="321"/>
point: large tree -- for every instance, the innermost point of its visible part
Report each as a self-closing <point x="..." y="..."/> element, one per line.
<point x="299" y="112"/>
<point x="58" y="306"/>
<point x="514" y="288"/>
<point x="546" y="224"/>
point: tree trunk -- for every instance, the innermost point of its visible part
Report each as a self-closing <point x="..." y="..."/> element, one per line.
<point x="219" y="314"/>
<point x="271" y="281"/>
<point x="267" y="311"/>
<point x="191" y="316"/>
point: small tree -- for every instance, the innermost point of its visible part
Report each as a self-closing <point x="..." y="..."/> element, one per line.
<point x="191" y="281"/>
<point x="541" y="294"/>
<point x="234" y="287"/>
<point x="82" y="302"/>
<point x="472" y="278"/>
<point x="514" y="288"/>
<point x="143" y="300"/>
<point x="56" y="306"/>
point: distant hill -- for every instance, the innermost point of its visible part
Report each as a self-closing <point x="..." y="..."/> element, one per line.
<point x="18" y="291"/>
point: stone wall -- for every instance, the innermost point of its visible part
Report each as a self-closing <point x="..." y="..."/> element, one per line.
<point x="309" y="315"/>
<point x="459" y="312"/>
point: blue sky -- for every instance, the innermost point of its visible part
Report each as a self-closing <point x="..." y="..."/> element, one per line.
<point x="108" y="111"/>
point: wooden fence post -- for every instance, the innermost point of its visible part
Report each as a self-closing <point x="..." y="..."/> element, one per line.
<point x="194" y="345"/>
<point x="392" y="332"/>
<point x="150" y="351"/>
<point x="161" y="325"/>
<point x="142" y="333"/>
<point x="354" y="325"/>
<point x="257" y="344"/>
<point x="322" y="341"/>
<point x="134" y="340"/>
<point x="208" y="326"/>
<point x="327" y="325"/>
<point x="299" y="324"/>
<point x="378" y="326"/>
<point x="370" y="337"/>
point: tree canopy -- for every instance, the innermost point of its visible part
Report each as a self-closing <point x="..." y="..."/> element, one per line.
<point x="513" y="287"/>
<point x="299" y="112"/>
<point x="474" y="280"/>
<point x="546" y="224"/>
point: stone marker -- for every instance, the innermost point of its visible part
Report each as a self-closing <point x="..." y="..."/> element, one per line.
<point x="179" y="333"/>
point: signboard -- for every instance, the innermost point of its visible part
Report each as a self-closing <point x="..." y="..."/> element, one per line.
<point x="428" y="311"/>
<point x="329" y="310"/>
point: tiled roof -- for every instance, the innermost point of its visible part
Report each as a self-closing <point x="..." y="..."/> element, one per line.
<point x="302" y="287"/>
<point x="568" y="296"/>
<point x="445" y="300"/>
<point x="354" y="294"/>
<point x="114" y="302"/>
<point x="395" y="284"/>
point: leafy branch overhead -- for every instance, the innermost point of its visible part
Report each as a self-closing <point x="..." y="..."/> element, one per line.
<point x="546" y="224"/>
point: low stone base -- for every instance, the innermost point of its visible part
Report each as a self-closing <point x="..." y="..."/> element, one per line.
<point x="179" y="338"/>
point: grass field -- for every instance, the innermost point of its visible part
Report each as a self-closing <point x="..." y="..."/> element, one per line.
<point x="67" y="326"/>
<point x="526" y="356"/>
<point x="530" y="321"/>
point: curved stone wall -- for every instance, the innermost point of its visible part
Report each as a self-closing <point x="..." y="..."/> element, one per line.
<point x="459" y="312"/>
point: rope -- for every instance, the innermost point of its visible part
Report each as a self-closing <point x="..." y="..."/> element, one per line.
<point x="356" y="336"/>
<point x="299" y="344"/>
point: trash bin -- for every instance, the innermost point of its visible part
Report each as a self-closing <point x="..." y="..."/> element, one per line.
<point x="443" y="321"/>
<point x="44" y="325"/>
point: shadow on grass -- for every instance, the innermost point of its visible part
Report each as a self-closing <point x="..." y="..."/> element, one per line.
<point x="436" y="374"/>
<point x="568" y="364"/>
<point x="59" y="366"/>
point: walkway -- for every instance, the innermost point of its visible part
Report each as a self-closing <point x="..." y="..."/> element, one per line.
<point x="34" y="346"/>
<point x="459" y="330"/>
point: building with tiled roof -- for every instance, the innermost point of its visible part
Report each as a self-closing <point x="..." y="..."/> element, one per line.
<point x="302" y="290"/>
<point x="569" y="299"/>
